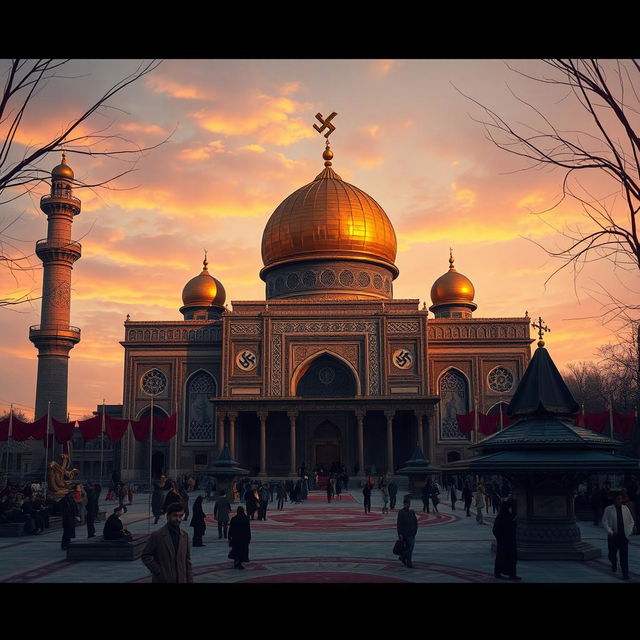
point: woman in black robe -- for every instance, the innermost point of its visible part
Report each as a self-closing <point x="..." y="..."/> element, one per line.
<point x="70" y="518"/>
<point x="198" y="523"/>
<point x="504" y="529"/>
<point x="239" y="538"/>
<point x="157" y="502"/>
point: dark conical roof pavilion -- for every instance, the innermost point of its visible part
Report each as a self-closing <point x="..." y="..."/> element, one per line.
<point x="544" y="436"/>
<point x="417" y="463"/>
<point x="542" y="389"/>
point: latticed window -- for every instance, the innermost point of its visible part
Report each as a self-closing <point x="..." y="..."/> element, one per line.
<point x="453" y="400"/>
<point x="200" y="410"/>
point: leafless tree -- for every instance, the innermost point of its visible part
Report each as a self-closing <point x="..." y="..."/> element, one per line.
<point x="600" y="169"/>
<point x="609" y="94"/>
<point x="21" y="168"/>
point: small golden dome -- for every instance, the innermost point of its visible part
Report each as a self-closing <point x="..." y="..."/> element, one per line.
<point x="63" y="171"/>
<point x="329" y="218"/>
<point x="204" y="290"/>
<point x="452" y="287"/>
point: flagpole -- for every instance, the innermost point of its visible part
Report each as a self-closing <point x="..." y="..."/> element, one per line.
<point x="150" y="479"/>
<point x="102" y="429"/>
<point x="46" y="455"/>
<point x="175" y="443"/>
<point x="475" y="418"/>
<point x="8" y="439"/>
<point x="611" y="417"/>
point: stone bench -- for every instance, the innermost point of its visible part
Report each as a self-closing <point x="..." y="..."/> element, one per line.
<point x="100" y="549"/>
<point x="12" y="529"/>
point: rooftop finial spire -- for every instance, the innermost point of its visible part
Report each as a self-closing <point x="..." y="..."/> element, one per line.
<point x="326" y="124"/>
<point x="542" y="328"/>
<point x="64" y="158"/>
<point x="451" y="267"/>
<point x="204" y="262"/>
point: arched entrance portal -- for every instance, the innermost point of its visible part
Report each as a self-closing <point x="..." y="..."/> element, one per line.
<point x="327" y="377"/>
<point x="326" y="434"/>
<point x="327" y="443"/>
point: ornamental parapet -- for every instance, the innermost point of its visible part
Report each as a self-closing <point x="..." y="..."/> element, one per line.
<point x="448" y="329"/>
<point x="172" y="333"/>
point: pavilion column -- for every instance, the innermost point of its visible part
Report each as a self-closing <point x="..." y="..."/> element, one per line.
<point x="389" y="415"/>
<point x="360" y="417"/>
<point x="263" y="443"/>
<point x="292" y="439"/>
<point x="420" y="420"/>
<point x="221" y="417"/>
<point x="432" y="427"/>
<point x="232" y="434"/>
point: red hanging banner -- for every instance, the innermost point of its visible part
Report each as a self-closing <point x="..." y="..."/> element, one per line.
<point x="39" y="428"/>
<point x="466" y="422"/>
<point x="90" y="429"/>
<point x="488" y="424"/>
<point x="623" y="423"/>
<point x="4" y="430"/>
<point x="21" y="430"/>
<point x="597" y="422"/>
<point x="63" y="430"/>
<point x="115" y="428"/>
<point x="164" y="428"/>
<point x="142" y="428"/>
<point x="507" y="421"/>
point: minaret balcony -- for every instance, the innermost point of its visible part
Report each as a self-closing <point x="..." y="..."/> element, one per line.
<point x="48" y="250"/>
<point x="64" y="332"/>
<point x="60" y="198"/>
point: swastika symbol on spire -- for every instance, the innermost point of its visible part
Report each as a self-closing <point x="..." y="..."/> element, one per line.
<point x="326" y="123"/>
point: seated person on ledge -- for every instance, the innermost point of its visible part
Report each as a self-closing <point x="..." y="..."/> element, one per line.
<point x="113" y="529"/>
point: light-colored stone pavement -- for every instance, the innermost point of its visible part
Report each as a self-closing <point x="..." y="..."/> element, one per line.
<point x="318" y="542"/>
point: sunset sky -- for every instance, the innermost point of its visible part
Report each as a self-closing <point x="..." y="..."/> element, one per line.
<point x="240" y="139"/>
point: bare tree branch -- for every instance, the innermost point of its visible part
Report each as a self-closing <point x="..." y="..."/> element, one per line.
<point x="19" y="170"/>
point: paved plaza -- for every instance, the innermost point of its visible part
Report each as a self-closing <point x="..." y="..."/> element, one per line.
<point x="316" y="542"/>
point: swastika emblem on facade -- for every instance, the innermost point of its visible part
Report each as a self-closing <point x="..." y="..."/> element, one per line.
<point x="403" y="359"/>
<point x="246" y="360"/>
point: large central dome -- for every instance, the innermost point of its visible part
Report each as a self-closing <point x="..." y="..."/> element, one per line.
<point x="329" y="220"/>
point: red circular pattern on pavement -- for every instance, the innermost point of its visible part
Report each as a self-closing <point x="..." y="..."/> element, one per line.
<point x="322" y="577"/>
<point x="326" y="518"/>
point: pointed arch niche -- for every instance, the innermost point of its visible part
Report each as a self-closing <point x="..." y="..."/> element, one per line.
<point x="325" y="375"/>
<point x="199" y="411"/>
<point x="453" y="389"/>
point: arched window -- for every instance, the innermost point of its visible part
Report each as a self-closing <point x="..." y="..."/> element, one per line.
<point x="200" y="418"/>
<point x="454" y="399"/>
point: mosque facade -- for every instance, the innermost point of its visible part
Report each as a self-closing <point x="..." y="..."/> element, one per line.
<point x="329" y="367"/>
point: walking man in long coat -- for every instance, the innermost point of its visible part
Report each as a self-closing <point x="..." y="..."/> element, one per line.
<point x="168" y="552"/>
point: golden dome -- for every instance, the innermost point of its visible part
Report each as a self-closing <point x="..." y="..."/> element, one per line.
<point x="452" y="288"/>
<point x="203" y="290"/>
<point x="63" y="171"/>
<point x="329" y="218"/>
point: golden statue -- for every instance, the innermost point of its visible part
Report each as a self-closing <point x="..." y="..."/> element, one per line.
<point x="60" y="477"/>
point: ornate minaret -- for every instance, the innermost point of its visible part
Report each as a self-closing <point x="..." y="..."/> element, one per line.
<point x="54" y="337"/>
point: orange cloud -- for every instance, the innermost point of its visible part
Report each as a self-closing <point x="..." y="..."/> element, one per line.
<point x="202" y="153"/>
<point x="384" y="67"/>
<point x="268" y="118"/>
<point x="162" y="84"/>
<point x="289" y="87"/>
